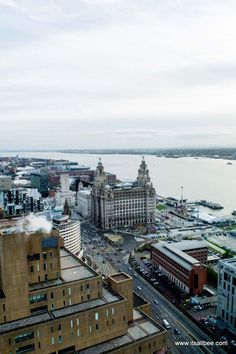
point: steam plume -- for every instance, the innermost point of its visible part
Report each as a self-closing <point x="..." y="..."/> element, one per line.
<point x="33" y="223"/>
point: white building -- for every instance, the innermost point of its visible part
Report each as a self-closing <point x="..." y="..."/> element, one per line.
<point x="65" y="193"/>
<point x="84" y="202"/>
<point x="226" y="306"/>
<point x="70" y="231"/>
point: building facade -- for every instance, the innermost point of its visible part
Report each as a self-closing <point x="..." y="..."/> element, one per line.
<point x="52" y="302"/>
<point x="123" y="204"/>
<point x="188" y="273"/>
<point x="39" y="180"/>
<point x="226" y="306"/>
<point x="84" y="201"/>
<point x="20" y="201"/>
<point x="69" y="230"/>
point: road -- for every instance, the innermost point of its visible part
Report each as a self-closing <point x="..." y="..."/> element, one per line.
<point x="93" y="240"/>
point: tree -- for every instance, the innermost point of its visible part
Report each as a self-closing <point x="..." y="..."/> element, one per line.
<point x="66" y="209"/>
<point x="212" y="276"/>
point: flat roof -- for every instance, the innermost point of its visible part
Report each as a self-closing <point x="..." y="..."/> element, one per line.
<point x="72" y="269"/>
<point x="140" y="328"/>
<point x="120" y="276"/>
<point x="177" y="255"/>
<point x="107" y="298"/>
<point x="230" y="262"/>
<point x="24" y="322"/>
<point x="190" y="245"/>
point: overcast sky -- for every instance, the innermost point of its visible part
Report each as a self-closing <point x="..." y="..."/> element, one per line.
<point x="117" y="73"/>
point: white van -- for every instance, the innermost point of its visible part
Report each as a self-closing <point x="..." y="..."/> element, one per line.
<point x="166" y="324"/>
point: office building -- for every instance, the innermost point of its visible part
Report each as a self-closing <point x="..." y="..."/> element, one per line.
<point x="188" y="273"/>
<point x="123" y="204"/>
<point x="39" y="180"/>
<point x="52" y="302"/>
<point x="226" y="306"/>
<point x="69" y="230"/>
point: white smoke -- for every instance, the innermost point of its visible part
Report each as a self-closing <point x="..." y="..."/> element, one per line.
<point x="34" y="223"/>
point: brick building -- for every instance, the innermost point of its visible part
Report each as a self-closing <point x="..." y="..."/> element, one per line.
<point x="176" y="261"/>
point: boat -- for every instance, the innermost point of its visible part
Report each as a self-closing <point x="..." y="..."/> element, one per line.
<point x="233" y="212"/>
<point x="229" y="163"/>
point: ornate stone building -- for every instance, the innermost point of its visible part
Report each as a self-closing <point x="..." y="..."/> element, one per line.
<point x="123" y="204"/>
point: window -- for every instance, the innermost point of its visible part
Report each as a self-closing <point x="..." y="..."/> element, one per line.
<point x="52" y="340"/>
<point x="69" y="291"/>
<point x="24" y="336"/>
<point x="71" y="323"/>
<point x="96" y="316"/>
<point x="52" y="295"/>
<point x="107" y="311"/>
<point x="45" y="266"/>
<point x="97" y="327"/>
<point x="90" y="329"/>
<point x="78" y="332"/>
<point x="87" y="286"/>
<point x="81" y="287"/>
<point x="44" y="255"/>
<point x="69" y="302"/>
<point x="59" y="339"/>
<point x="112" y="311"/>
<point x="59" y="327"/>
<point x="3" y="307"/>
<point x="77" y="321"/>
<point x="32" y="269"/>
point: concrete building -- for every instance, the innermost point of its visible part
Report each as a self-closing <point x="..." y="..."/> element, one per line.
<point x="124" y="204"/>
<point x="176" y="262"/>
<point x="52" y="302"/>
<point x="65" y="193"/>
<point x="226" y="306"/>
<point x="5" y="183"/>
<point x="84" y="201"/>
<point x="69" y="230"/>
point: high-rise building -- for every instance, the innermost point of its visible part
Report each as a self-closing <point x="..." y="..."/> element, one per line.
<point x="52" y="302"/>
<point x="69" y="230"/>
<point x="39" y="180"/>
<point x="123" y="204"/>
<point x="226" y="306"/>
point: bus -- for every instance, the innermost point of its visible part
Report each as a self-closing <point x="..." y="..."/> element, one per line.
<point x="166" y="324"/>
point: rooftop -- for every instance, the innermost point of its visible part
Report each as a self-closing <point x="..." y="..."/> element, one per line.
<point x="72" y="269"/>
<point x="120" y="277"/>
<point x="177" y="255"/>
<point x="142" y="327"/>
<point x="106" y="298"/>
<point x="230" y="262"/>
<point x="190" y="245"/>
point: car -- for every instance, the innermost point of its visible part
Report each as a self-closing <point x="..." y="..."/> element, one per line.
<point x="139" y="288"/>
<point x="155" y="302"/>
<point x="176" y="331"/>
<point x="153" y="280"/>
<point x="130" y="268"/>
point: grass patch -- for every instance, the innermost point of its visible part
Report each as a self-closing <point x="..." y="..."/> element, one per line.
<point x="160" y="207"/>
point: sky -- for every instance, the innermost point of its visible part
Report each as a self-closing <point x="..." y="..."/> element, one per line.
<point x="117" y="74"/>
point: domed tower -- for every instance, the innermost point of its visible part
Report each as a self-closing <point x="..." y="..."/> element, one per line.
<point x="100" y="177"/>
<point x="143" y="175"/>
<point x="97" y="196"/>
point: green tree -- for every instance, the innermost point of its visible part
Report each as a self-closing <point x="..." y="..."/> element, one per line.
<point x="66" y="209"/>
<point x="212" y="276"/>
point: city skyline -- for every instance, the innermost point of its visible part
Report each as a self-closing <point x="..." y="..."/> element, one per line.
<point x="117" y="74"/>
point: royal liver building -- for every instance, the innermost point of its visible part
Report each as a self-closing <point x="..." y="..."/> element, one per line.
<point x="123" y="204"/>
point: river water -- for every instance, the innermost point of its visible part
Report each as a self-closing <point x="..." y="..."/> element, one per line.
<point x="202" y="178"/>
